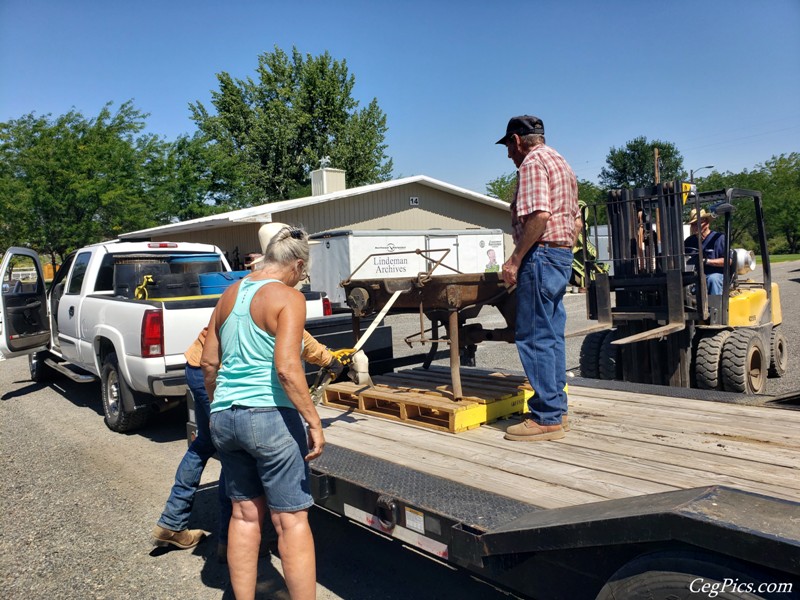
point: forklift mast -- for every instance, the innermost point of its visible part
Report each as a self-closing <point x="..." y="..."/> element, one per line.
<point x="644" y="292"/>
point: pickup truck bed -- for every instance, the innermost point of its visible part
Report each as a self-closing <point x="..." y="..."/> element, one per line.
<point x="638" y="472"/>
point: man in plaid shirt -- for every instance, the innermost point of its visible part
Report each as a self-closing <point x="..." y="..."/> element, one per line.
<point x="545" y="219"/>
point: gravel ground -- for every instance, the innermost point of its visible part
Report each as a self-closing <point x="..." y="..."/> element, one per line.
<point x="79" y="501"/>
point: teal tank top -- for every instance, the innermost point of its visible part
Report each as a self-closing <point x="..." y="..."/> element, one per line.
<point x="247" y="375"/>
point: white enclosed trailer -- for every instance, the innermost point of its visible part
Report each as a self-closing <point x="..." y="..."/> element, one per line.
<point x="388" y="253"/>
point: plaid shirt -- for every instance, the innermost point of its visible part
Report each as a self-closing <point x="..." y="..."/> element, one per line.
<point x="546" y="182"/>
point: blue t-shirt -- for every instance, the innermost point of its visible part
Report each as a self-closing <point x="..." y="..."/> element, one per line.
<point x="713" y="247"/>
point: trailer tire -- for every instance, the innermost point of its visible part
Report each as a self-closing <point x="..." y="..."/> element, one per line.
<point x="40" y="372"/>
<point x="607" y="360"/>
<point x="779" y="353"/>
<point x="676" y="574"/>
<point x="115" y="393"/>
<point x="590" y="354"/>
<point x="744" y="362"/>
<point x="707" y="360"/>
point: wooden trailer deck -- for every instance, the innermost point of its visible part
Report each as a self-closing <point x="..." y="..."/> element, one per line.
<point x="621" y="444"/>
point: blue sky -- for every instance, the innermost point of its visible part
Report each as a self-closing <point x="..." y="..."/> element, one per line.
<point x="718" y="78"/>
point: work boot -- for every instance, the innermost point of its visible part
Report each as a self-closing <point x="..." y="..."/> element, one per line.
<point x="530" y="431"/>
<point x="184" y="539"/>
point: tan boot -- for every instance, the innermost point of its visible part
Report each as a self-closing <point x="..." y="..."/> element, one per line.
<point x="184" y="539"/>
<point x="530" y="431"/>
<point x="565" y="421"/>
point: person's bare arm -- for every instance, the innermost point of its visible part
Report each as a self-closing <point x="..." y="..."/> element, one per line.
<point x="288" y="336"/>
<point x="578" y="228"/>
<point x="532" y="230"/>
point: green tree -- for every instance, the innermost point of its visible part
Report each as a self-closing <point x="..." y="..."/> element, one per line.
<point x="633" y="165"/>
<point x="781" y="193"/>
<point x="69" y="181"/>
<point x="197" y="187"/>
<point x="503" y="187"/>
<point x="744" y="230"/>
<point x="267" y="134"/>
<point x="593" y="198"/>
<point x="778" y="179"/>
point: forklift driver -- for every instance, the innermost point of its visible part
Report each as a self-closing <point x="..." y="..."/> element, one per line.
<point x="713" y="244"/>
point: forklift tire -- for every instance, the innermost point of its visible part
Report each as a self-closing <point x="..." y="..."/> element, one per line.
<point x="590" y="354"/>
<point x="607" y="361"/>
<point x="115" y="392"/>
<point x="744" y="362"/>
<point x="707" y="360"/>
<point x="779" y="353"/>
<point x="680" y="574"/>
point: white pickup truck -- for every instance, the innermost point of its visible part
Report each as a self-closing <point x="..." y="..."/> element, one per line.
<point x="123" y="312"/>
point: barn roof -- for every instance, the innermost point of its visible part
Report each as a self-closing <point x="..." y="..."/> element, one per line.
<point x="263" y="213"/>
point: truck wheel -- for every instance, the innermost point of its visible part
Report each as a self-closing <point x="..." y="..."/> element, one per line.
<point x="590" y="354"/>
<point x="779" y="355"/>
<point x="744" y="362"/>
<point x="607" y="360"/>
<point x="116" y="391"/>
<point x="677" y="574"/>
<point x="40" y="372"/>
<point x="707" y="360"/>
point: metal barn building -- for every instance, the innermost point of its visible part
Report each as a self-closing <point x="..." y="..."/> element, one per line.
<point x="418" y="203"/>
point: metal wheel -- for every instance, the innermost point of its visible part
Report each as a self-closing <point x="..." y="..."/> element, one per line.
<point x="590" y="354"/>
<point x="115" y="391"/>
<point x="707" y="360"/>
<point x="779" y="353"/>
<point x="744" y="362"/>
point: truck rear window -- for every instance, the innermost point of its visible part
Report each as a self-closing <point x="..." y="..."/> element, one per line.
<point x="161" y="275"/>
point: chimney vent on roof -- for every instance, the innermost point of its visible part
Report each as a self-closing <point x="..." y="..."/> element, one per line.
<point x="326" y="181"/>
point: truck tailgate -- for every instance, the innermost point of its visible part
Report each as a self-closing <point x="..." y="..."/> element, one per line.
<point x="183" y="320"/>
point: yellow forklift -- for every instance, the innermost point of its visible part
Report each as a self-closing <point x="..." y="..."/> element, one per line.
<point x="657" y="323"/>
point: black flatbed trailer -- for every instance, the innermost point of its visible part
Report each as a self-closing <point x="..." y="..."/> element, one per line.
<point x="647" y="490"/>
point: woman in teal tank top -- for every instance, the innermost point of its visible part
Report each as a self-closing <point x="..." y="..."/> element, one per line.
<point x="259" y="403"/>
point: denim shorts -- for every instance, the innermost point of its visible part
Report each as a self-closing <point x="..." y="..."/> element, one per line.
<point x="262" y="452"/>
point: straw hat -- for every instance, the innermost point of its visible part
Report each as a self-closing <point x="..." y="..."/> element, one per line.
<point x="265" y="234"/>
<point x="704" y="216"/>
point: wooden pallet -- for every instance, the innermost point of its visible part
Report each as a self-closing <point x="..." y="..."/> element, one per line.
<point x="424" y="397"/>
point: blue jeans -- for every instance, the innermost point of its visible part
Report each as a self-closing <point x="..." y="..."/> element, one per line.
<point x="187" y="478"/>
<point x="541" y="319"/>
<point x="263" y="451"/>
<point x="714" y="283"/>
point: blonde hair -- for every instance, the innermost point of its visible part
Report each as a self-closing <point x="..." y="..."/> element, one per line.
<point x="289" y="244"/>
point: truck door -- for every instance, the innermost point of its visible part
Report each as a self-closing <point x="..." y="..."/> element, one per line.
<point x="69" y="330"/>
<point x="23" y="304"/>
<point x="443" y="242"/>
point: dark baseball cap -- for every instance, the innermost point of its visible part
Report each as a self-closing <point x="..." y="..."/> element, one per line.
<point x="523" y="125"/>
